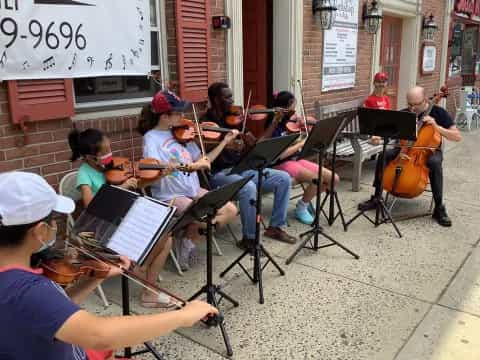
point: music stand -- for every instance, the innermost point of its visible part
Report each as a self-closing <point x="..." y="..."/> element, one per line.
<point x="103" y="219"/>
<point x="322" y="135"/>
<point x="331" y="194"/>
<point x="205" y="210"/>
<point x="390" y="125"/>
<point x="259" y="158"/>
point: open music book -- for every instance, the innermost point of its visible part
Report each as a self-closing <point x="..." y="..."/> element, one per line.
<point x="126" y="222"/>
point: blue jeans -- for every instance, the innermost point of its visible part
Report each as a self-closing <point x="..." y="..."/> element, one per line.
<point x="276" y="181"/>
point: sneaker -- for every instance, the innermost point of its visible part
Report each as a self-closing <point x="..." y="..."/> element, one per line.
<point x="279" y="234"/>
<point x="367" y="205"/>
<point x="303" y="215"/>
<point x="440" y="215"/>
<point x="311" y="209"/>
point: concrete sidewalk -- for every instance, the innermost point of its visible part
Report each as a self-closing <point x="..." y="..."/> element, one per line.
<point x="410" y="298"/>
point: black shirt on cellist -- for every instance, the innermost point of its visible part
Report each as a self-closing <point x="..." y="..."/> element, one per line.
<point x="441" y="116"/>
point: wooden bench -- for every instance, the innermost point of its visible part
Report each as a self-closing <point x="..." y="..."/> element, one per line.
<point x="352" y="147"/>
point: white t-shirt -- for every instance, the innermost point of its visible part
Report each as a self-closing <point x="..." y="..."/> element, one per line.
<point x="162" y="145"/>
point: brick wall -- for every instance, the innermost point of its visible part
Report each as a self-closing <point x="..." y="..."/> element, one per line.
<point x="46" y="151"/>
<point x="438" y="8"/>
<point x="312" y="64"/>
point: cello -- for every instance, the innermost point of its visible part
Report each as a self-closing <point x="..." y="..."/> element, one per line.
<point x="408" y="177"/>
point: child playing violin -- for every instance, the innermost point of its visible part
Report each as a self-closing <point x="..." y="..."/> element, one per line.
<point x="156" y="124"/>
<point x="93" y="147"/>
<point x="301" y="171"/>
<point x="43" y="321"/>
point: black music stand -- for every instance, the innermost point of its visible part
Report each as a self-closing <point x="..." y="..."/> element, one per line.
<point x="103" y="219"/>
<point x="259" y="158"/>
<point x="331" y="194"/>
<point x="390" y="125"/>
<point x="205" y="210"/>
<point x="322" y="135"/>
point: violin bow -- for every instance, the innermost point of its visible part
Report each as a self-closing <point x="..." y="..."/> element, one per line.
<point x="302" y="106"/>
<point x="245" y="112"/>
<point x="199" y="131"/>
<point x="131" y="276"/>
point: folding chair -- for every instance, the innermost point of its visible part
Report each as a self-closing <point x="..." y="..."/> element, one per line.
<point x="68" y="187"/>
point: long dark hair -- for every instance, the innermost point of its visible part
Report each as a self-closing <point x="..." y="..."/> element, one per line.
<point x="283" y="99"/>
<point x="86" y="142"/>
<point x="148" y="120"/>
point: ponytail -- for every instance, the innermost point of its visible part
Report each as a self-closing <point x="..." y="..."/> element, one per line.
<point x="84" y="143"/>
<point x="148" y="120"/>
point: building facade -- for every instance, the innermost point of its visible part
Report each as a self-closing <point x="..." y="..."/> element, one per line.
<point x="270" y="46"/>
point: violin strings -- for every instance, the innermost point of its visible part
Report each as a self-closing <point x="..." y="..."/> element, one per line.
<point x="302" y="106"/>
<point x="129" y="275"/>
<point x="245" y="112"/>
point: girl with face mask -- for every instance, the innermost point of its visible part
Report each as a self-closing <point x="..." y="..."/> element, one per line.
<point x="93" y="147"/>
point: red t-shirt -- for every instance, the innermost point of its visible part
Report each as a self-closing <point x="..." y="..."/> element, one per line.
<point x="378" y="102"/>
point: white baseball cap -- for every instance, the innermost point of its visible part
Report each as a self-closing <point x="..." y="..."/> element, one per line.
<point x="27" y="198"/>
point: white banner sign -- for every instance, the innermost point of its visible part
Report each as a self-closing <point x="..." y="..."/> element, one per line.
<point x="340" y="48"/>
<point x="42" y="39"/>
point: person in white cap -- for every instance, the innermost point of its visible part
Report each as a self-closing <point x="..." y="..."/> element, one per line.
<point x="39" y="319"/>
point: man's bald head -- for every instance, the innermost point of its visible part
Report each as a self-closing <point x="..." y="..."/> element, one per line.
<point x="416" y="99"/>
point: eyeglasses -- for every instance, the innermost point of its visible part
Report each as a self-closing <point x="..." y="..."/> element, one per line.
<point x="418" y="104"/>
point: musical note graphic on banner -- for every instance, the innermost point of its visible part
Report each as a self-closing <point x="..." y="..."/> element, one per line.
<point x="108" y="62"/>
<point x="124" y="60"/>
<point x="3" y="59"/>
<point x="25" y="65"/>
<point x="141" y="42"/>
<point x="91" y="61"/>
<point x="74" y="62"/>
<point x="140" y="12"/>
<point x="135" y="53"/>
<point x="48" y="63"/>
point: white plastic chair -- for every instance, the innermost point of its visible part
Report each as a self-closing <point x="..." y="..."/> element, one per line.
<point x="68" y="187"/>
<point x="466" y="107"/>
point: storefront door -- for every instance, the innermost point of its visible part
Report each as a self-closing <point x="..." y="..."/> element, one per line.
<point x="390" y="54"/>
<point x="257" y="46"/>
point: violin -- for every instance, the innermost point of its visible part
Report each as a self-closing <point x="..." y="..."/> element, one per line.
<point x="66" y="271"/>
<point x="121" y="169"/>
<point x="98" y="258"/>
<point x="295" y="124"/>
<point x="235" y="117"/>
<point x="408" y="178"/>
<point x="186" y="132"/>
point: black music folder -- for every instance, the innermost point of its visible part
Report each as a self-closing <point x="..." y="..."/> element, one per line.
<point x="125" y="222"/>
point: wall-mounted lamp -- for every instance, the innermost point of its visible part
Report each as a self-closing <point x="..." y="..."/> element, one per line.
<point x="429" y="28"/>
<point x="372" y="16"/>
<point x="324" y="11"/>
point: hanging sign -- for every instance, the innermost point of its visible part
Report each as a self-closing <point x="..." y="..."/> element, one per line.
<point x="340" y="48"/>
<point x="469" y="7"/>
<point x="42" y="39"/>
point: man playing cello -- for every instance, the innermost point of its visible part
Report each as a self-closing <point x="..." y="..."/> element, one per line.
<point x="443" y="123"/>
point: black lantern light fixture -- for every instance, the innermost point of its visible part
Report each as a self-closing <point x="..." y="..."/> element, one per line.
<point x="429" y="28"/>
<point x="372" y="16"/>
<point x="324" y="11"/>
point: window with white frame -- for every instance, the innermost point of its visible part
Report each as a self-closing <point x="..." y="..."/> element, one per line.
<point x="104" y="89"/>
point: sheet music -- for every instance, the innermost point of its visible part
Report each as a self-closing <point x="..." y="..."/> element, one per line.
<point x="138" y="230"/>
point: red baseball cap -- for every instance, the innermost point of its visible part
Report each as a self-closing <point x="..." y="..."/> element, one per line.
<point x="166" y="101"/>
<point x="380" y="77"/>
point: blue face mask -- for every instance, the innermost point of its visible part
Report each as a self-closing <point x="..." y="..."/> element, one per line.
<point x="49" y="244"/>
<point x="45" y="246"/>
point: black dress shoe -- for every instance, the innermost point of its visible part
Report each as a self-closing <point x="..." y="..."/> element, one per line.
<point x="367" y="205"/>
<point x="440" y="215"/>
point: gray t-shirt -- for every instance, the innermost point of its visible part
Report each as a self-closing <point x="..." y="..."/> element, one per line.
<point x="161" y="145"/>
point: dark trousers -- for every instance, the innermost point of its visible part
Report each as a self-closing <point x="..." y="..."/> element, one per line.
<point x="434" y="164"/>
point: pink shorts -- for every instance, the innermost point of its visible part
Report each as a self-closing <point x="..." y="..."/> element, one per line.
<point x="293" y="168"/>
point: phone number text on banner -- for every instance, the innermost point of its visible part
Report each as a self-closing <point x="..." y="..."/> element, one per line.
<point x="44" y="39"/>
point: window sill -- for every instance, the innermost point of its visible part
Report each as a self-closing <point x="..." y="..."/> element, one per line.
<point x="104" y="109"/>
